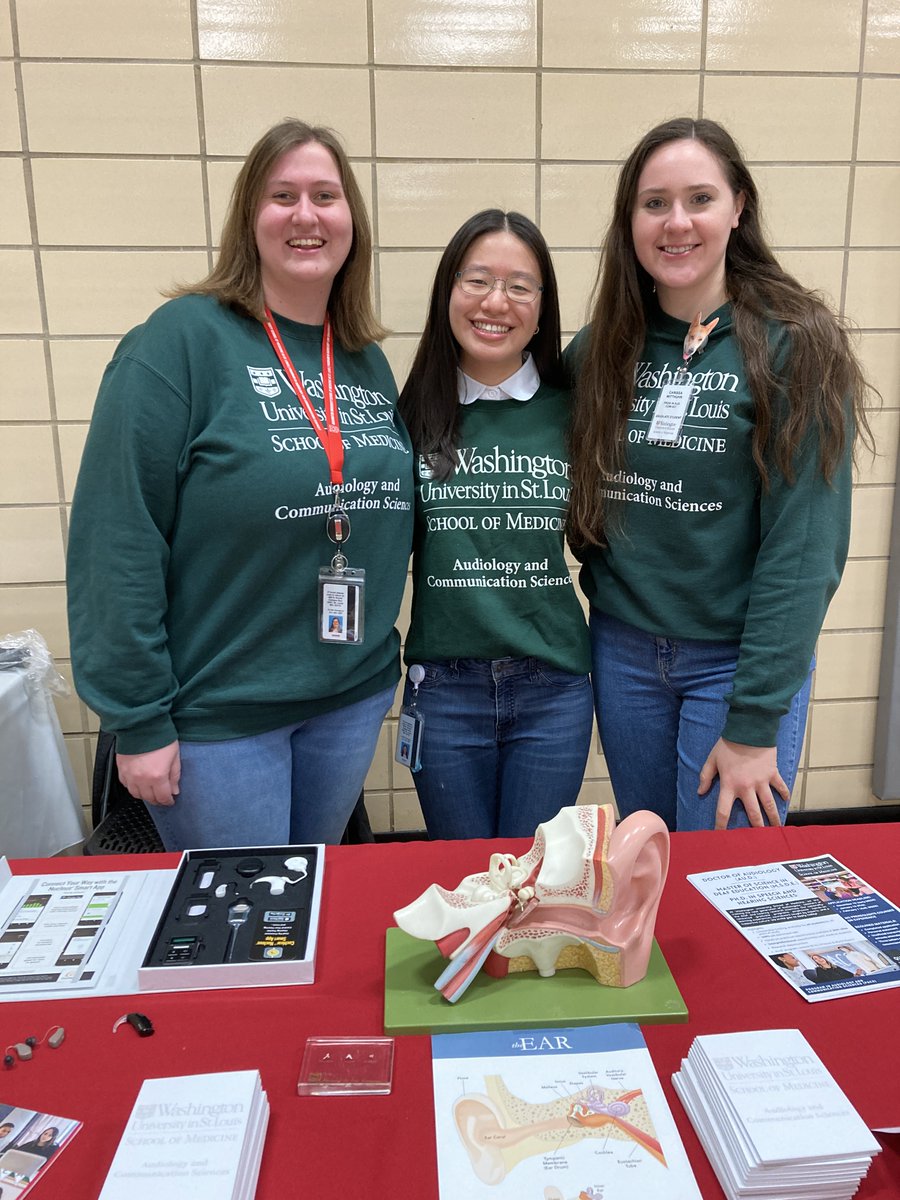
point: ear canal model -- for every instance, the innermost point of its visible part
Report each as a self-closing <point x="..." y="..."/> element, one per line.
<point x="600" y="919"/>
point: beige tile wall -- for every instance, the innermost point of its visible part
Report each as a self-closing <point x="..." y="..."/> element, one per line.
<point x="122" y="122"/>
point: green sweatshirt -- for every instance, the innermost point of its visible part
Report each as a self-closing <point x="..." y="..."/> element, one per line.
<point x="704" y="551"/>
<point x="198" y="530"/>
<point x="489" y="570"/>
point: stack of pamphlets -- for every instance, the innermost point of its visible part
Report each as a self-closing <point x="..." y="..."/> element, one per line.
<point x="192" y="1137"/>
<point x="555" y="1113"/>
<point x="771" y="1118"/>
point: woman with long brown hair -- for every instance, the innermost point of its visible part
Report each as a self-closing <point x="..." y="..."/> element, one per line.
<point x="717" y="405"/>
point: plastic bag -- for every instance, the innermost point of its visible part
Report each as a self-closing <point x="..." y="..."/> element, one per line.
<point x="28" y="651"/>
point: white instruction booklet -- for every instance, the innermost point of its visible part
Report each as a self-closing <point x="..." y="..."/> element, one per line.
<point x="72" y="935"/>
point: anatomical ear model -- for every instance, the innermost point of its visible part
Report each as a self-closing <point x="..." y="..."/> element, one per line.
<point x="585" y="895"/>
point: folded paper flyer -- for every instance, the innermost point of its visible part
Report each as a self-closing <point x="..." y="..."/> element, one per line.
<point x="823" y="928"/>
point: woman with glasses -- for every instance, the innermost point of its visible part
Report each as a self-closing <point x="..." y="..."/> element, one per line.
<point x="717" y="405"/>
<point x="497" y="631"/>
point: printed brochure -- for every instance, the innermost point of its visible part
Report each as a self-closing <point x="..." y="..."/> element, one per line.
<point x="192" y="1137"/>
<point x="825" y="930"/>
<point x="771" y="1118"/>
<point x="70" y="935"/>
<point x="29" y="1142"/>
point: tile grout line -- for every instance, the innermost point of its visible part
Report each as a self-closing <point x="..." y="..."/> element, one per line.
<point x="538" y="112"/>
<point x="201" y="132"/>
<point x="842" y="300"/>
<point x="374" y="215"/>
<point x="704" y="41"/>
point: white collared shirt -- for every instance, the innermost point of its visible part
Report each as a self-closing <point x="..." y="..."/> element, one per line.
<point x="520" y="386"/>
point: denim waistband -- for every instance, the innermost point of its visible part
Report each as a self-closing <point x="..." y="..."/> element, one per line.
<point x="497" y="667"/>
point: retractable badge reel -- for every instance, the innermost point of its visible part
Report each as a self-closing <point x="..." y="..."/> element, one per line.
<point x="341" y="587"/>
<point x="411" y="726"/>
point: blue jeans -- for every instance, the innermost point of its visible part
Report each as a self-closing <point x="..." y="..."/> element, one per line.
<point x="661" y="707"/>
<point x="294" y="785"/>
<point x="504" y="745"/>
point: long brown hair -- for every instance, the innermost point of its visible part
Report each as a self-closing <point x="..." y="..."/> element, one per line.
<point x="824" y="385"/>
<point x="236" y="278"/>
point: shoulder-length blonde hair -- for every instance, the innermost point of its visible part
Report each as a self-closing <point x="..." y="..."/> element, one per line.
<point x="236" y="278"/>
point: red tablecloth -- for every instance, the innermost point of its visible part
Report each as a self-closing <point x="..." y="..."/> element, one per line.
<point x="383" y="1148"/>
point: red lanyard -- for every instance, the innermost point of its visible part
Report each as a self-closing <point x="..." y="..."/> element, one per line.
<point x="330" y="437"/>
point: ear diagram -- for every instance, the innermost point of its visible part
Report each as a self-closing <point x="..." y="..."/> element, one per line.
<point x="499" y="1130"/>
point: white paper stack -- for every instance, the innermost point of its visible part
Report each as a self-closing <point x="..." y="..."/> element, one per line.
<point x="771" y="1118"/>
<point x="192" y="1137"/>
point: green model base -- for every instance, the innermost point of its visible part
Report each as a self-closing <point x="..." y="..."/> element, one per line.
<point x="520" y="1001"/>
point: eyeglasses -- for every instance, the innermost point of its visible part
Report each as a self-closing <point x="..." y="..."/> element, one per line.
<point x="520" y="288"/>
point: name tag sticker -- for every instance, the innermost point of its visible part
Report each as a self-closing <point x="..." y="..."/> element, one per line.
<point x="669" y="413"/>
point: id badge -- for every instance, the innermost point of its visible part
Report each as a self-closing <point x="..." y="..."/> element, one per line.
<point x="669" y="413"/>
<point x="341" y="605"/>
<point x="408" y="751"/>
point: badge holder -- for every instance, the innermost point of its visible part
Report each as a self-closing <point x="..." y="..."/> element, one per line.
<point x="341" y="588"/>
<point x="669" y="412"/>
<point x="675" y="398"/>
<point x="411" y="726"/>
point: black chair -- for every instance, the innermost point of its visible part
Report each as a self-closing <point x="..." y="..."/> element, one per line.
<point x="122" y="824"/>
<point x="358" y="829"/>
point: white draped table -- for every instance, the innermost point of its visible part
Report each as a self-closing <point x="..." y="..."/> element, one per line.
<point x="40" y="813"/>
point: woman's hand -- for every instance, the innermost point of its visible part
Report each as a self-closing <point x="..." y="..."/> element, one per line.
<point x="747" y="774"/>
<point x="153" y="776"/>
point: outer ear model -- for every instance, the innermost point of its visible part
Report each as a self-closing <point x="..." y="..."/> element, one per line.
<point x="639" y="862"/>
<point x="582" y="896"/>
